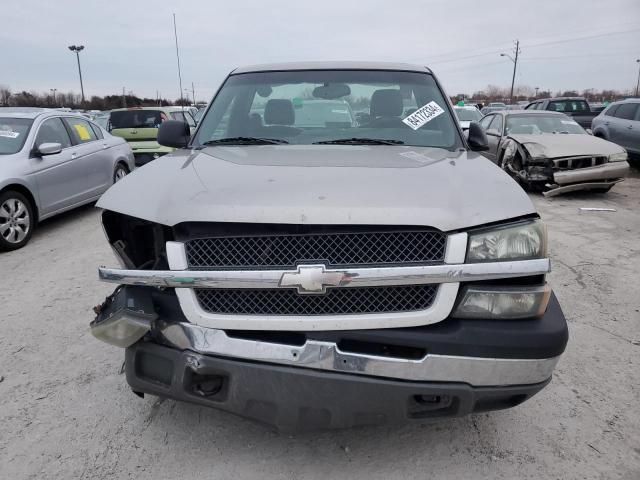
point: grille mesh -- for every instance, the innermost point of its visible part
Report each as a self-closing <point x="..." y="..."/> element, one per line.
<point x="332" y="249"/>
<point x="356" y="300"/>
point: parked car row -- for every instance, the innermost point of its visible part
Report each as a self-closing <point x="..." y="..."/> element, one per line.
<point x="519" y="143"/>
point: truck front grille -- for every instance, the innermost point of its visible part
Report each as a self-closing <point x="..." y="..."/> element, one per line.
<point x="339" y="249"/>
<point x="336" y="301"/>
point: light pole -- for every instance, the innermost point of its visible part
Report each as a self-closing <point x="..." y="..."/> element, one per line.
<point x="537" y="88"/>
<point x="515" y="66"/>
<point x="77" y="49"/>
<point x="638" y="83"/>
<point x="53" y="92"/>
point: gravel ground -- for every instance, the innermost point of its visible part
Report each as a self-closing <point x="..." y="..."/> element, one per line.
<point x="66" y="411"/>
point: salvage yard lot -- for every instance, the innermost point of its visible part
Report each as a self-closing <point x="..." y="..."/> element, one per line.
<point x="66" y="411"/>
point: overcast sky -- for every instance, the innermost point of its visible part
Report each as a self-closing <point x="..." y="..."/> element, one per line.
<point x="569" y="44"/>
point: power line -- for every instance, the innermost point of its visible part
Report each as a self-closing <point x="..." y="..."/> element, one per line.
<point x="465" y="58"/>
<point x="457" y="58"/>
<point x="609" y="55"/>
<point x="598" y="35"/>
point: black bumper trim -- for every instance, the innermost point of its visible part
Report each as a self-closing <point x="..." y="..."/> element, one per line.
<point x="296" y="399"/>
<point x="543" y="337"/>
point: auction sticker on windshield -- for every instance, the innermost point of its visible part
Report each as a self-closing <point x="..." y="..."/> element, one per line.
<point x="423" y="115"/>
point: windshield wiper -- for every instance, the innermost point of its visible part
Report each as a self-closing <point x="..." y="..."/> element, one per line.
<point x="360" y="141"/>
<point x="245" y="141"/>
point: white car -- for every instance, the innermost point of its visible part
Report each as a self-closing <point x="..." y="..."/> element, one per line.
<point x="466" y="115"/>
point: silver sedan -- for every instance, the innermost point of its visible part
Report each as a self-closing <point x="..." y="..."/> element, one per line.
<point x="50" y="162"/>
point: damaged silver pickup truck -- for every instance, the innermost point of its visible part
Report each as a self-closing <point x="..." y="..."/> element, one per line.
<point x="550" y="152"/>
<point x="335" y="275"/>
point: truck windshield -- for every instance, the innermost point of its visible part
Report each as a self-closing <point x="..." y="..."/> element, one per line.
<point x="13" y="133"/>
<point x="348" y="107"/>
<point x="539" y="124"/>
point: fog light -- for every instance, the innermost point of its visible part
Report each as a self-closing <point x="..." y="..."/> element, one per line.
<point x="121" y="329"/>
<point x="503" y="302"/>
<point x="124" y="317"/>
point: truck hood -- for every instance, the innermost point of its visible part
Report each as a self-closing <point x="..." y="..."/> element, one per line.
<point x="550" y="145"/>
<point x="320" y="184"/>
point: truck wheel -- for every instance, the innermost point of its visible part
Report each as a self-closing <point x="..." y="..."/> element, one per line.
<point x="17" y="220"/>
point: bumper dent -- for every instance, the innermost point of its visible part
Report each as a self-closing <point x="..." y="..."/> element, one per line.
<point x="609" y="171"/>
<point x="576" y="187"/>
<point x="328" y="356"/>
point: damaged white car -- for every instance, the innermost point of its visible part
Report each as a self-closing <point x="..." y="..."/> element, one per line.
<point x="549" y="151"/>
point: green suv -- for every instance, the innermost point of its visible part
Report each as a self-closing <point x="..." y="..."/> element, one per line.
<point x="139" y="126"/>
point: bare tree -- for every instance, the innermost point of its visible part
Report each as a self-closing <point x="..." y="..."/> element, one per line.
<point x="5" y="93"/>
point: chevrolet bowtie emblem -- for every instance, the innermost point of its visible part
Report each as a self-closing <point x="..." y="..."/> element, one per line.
<point x="314" y="279"/>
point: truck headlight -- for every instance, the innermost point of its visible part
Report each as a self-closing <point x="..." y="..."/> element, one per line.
<point x="513" y="242"/>
<point x="503" y="302"/>
<point x="618" y="157"/>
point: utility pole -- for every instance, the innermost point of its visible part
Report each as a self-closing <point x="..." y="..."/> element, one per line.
<point x="193" y="92"/>
<point x="53" y="91"/>
<point x="77" y="49"/>
<point x="537" y="88"/>
<point x="124" y="100"/>
<point x="638" y="82"/>
<point x="515" y="66"/>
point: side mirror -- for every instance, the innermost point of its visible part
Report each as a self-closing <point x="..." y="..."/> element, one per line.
<point x="589" y="131"/>
<point x="174" y="133"/>
<point x="49" y="148"/>
<point x="477" y="138"/>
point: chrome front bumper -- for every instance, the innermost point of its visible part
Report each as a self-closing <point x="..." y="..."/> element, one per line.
<point x="598" y="177"/>
<point x="327" y="356"/>
<point x="608" y="171"/>
<point x="352" y="277"/>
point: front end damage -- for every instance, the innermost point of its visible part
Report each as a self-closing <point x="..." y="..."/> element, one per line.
<point x="535" y="166"/>
<point x="302" y="381"/>
<point x="308" y="376"/>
